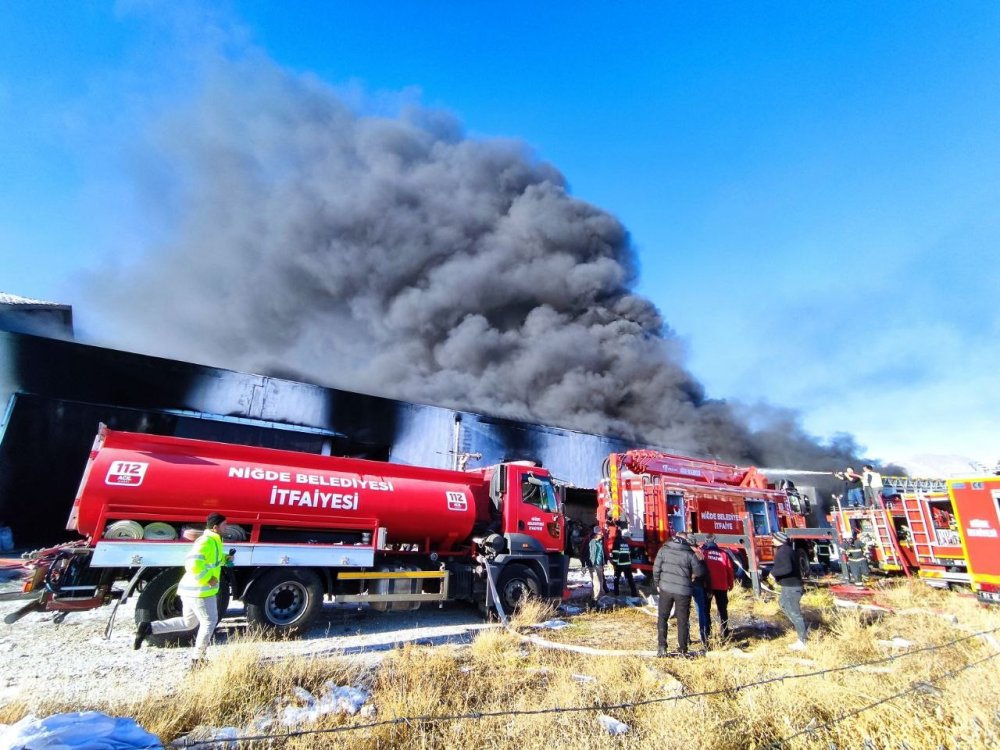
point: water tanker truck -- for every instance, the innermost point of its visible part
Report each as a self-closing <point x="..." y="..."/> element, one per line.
<point x="302" y="527"/>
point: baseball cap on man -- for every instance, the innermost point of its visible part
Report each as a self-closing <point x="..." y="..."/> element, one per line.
<point x="779" y="538"/>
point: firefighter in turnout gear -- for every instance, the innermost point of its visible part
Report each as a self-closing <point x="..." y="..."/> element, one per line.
<point x="621" y="560"/>
<point x="198" y="589"/>
<point x="856" y="559"/>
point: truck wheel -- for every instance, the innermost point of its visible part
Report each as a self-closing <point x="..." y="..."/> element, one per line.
<point x="285" y="601"/>
<point x="804" y="563"/>
<point x="159" y="601"/>
<point x="517" y="584"/>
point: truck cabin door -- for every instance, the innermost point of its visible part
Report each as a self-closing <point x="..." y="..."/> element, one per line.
<point x="533" y="516"/>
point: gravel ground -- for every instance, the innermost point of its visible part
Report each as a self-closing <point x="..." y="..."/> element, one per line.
<point x="73" y="662"/>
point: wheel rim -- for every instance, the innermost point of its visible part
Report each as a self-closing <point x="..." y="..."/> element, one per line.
<point x="286" y="602"/>
<point x="169" y="605"/>
<point x="516" y="591"/>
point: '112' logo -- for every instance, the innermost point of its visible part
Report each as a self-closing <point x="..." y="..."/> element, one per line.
<point x="128" y="473"/>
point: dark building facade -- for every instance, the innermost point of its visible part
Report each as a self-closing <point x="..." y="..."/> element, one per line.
<point x="55" y="393"/>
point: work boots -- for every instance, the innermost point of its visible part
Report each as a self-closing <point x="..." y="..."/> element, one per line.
<point x="142" y="631"/>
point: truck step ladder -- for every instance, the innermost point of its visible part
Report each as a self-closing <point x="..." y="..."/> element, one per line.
<point x="884" y="536"/>
<point x="921" y="530"/>
<point x="652" y="516"/>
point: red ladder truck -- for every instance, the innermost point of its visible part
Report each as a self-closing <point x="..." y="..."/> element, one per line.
<point x="657" y="494"/>
<point x="912" y="530"/>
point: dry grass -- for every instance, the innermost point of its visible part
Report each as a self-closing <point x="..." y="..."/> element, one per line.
<point x="500" y="673"/>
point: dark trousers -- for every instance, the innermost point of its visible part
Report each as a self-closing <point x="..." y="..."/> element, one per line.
<point x="625" y="570"/>
<point x="790" y="602"/>
<point x="700" y="597"/>
<point x="722" y="604"/>
<point x="682" y="609"/>
<point x="855" y="571"/>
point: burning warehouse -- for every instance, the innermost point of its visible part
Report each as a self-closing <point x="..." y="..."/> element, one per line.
<point x="57" y="392"/>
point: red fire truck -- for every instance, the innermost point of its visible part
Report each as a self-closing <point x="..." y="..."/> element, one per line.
<point x="977" y="513"/>
<point x="946" y="532"/>
<point x="657" y="494"/>
<point x="911" y="529"/>
<point x="302" y="526"/>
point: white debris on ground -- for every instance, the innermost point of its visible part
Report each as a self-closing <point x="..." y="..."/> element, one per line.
<point x="552" y="625"/>
<point x="87" y="730"/>
<point x="611" y="725"/>
<point x="305" y="708"/>
<point x="299" y="709"/>
<point x="896" y="642"/>
<point x="210" y="738"/>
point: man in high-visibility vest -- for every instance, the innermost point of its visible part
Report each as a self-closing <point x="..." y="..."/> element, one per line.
<point x="198" y="589"/>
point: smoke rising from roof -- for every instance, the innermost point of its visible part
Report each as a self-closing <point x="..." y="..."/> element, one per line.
<point x="395" y="256"/>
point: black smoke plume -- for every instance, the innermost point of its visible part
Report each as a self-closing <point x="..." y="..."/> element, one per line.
<point x="395" y="256"/>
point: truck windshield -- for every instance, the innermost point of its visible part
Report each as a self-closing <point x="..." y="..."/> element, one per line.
<point x="540" y="492"/>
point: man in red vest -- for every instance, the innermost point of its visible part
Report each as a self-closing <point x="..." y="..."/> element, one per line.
<point x="720" y="579"/>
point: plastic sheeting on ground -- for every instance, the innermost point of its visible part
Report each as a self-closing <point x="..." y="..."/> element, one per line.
<point x="87" y="730"/>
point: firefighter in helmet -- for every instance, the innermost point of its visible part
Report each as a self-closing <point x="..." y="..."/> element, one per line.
<point x="621" y="559"/>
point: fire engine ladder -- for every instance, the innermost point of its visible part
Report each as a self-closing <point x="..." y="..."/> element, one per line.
<point x="915" y="484"/>
<point x="920" y="525"/>
<point x="885" y="536"/>
<point x="653" y="531"/>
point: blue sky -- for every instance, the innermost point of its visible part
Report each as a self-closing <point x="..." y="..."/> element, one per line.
<point x="812" y="187"/>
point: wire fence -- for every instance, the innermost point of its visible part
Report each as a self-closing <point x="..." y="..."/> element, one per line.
<point x="730" y="692"/>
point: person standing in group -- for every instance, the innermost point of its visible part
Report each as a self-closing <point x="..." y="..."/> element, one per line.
<point x="787" y="574"/>
<point x="595" y="553"/>
<point x="672" y="571"/>
<point x="198" y="590"/>
<point x="700" y="587"/>
<point x="853" y="494"/>
<point x="871" y="482"/>
<point x="856" y="559"/>
<point x="721" y="580"/>
<point x="574" y="535"/>
<point x="621" y="560"/>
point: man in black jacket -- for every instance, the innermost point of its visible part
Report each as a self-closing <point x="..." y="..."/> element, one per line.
<point x="787" y="574"/>
<point x="672" y="573"/>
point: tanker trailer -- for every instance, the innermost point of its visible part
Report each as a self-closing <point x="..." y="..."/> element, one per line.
<point x="301" y="527"/>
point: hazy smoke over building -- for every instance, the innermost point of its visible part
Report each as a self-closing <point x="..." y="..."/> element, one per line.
<point x="395" y="256"/>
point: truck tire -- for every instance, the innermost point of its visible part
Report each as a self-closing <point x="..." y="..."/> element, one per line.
<point x="159" y="601"/>
<point x="284" y="601"/>
<point x="517" y="584"/>
<point x="804" y="565"/>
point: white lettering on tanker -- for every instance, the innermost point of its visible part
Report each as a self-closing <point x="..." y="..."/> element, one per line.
<point x="311" y="498"/>
<point x="320" y="480"/>
<point x="255" y="472"/>
<point x="314" y="499"/>
<point x="126" y="473"/>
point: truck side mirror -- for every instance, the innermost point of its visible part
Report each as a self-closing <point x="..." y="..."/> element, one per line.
<point x="498" y="485"/>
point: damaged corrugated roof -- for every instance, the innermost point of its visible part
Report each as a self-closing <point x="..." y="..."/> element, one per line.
<point x="13" y="299"/>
